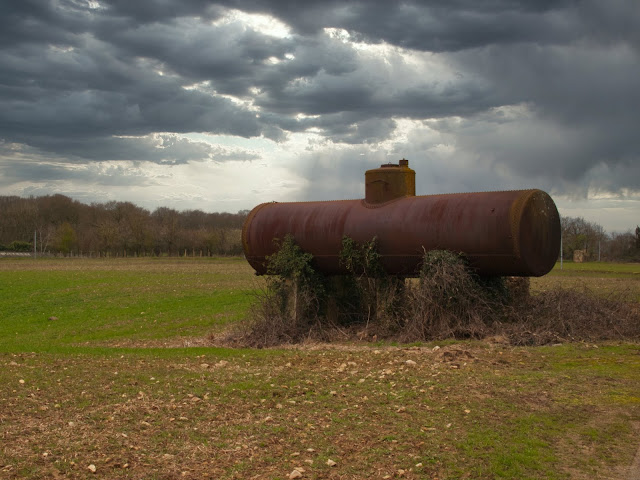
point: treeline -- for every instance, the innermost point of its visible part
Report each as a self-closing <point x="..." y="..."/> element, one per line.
<point x="593" y="243"/>
<point x="60" y="225"/>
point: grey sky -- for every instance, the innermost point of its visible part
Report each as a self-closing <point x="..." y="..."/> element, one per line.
<point x="223" y="105"/>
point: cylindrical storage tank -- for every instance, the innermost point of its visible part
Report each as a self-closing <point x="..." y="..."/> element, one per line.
<point x="513" y="233"/>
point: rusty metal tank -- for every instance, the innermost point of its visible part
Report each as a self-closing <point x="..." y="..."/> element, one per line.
<point x="510" y="233"/>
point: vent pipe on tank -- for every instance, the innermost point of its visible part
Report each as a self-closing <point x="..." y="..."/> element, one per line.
<point x="389" y="182"/>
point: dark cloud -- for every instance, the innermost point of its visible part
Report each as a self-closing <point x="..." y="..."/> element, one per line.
<point x="453" y="25"/>
<point x="500" y="93"/>
<point x="168" y="149"/>
<point x="120" y="176"/>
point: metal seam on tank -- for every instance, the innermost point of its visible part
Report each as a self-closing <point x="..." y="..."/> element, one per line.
<point x="517" y="209"/>
<point x="372" y="206"/>
<point x="306" y="202"/>
<point x="378" y="205"/>
<point x="247" y="224"/>
<point x="482" y="191"/>
<point x="410" y="196"/>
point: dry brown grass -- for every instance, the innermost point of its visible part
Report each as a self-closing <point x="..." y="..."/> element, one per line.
<point x="564" y="315"/>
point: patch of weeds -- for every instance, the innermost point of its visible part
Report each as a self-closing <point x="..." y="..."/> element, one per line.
<point x="447" y="301"/>
<point x="373" y="296"/>
<point x="450" y="301"/>
<point x="290" y="307"/>
<point x="568" y="315"/>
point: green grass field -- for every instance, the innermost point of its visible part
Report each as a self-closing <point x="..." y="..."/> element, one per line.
<point x="118" y="301"/>
<point x="122" y="380"/>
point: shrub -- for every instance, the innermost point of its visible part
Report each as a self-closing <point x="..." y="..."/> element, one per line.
<point x="18" y="246"/>
<point x="369" y="293"/>
<point x="569" y="315"/>
<point x="448" y="300"/>
<point x="290" y="308"/>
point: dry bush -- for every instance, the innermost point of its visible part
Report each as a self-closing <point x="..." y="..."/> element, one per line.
<point x="569" y="315"/>
<point x="291" y="308"/>
<point x="448" y="301"/>
<point x="376" y="296"/>
<point x="269" y="324"/>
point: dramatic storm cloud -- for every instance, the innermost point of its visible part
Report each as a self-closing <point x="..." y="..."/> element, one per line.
<point x="223" y="105"/>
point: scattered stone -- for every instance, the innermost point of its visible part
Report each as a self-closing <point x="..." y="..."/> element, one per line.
<point x="436" y="348"/>
<point x="331" y="463"/>
<point x="92" y="468"/>
<point x="295" y="474"/>
<point x="411" y="363"/>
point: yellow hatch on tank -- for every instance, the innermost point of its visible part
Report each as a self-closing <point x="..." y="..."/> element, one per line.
<point x="389" y="182"/>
